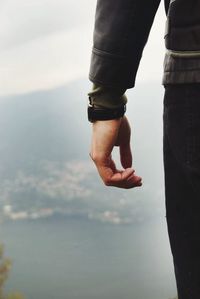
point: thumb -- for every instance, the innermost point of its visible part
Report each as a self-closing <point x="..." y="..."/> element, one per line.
<point x="125" y="155"/>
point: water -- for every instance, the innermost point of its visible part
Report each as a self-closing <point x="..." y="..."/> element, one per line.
<point x="63" y="258"/>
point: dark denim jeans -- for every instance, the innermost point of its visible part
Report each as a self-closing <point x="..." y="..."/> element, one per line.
<point x="182" y="183"/>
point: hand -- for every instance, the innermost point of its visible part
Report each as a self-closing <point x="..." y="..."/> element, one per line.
<point x="106" y="135"/>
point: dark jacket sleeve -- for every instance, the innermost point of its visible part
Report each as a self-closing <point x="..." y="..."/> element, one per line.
<point x="121" y="31"/>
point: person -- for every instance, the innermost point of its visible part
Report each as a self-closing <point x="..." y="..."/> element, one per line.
<point x="120" y="34"/>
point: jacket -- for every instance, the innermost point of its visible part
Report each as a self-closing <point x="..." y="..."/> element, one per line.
<point x="182" y="40"/>
<point x="121" y="31"/>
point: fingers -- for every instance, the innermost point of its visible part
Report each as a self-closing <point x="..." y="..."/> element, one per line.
<point x="106" y="135"/>
<point x="125" y="179"/>
<point x="123" y="141"/>
<point x="117" y="178"/>
<point x="125" y="155"/>
<point x="122" y="179"/>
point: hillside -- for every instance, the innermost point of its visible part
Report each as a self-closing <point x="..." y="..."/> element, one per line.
<point x="45" y="166"/>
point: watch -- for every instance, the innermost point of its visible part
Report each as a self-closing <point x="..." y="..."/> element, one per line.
<point x="97" y="113"/>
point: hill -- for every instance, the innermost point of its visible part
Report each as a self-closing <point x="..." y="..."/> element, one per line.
<point x="45" y="166"/>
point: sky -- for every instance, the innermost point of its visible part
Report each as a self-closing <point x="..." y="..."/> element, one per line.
<point x="47" y="43"/>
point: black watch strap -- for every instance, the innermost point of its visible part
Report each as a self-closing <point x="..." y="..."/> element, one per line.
<point x="95" y="113"/>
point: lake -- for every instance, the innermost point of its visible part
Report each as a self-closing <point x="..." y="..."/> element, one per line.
<point x="68" y="258"/>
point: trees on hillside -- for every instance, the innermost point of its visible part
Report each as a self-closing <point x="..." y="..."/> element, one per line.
<point x="5" y="266"/>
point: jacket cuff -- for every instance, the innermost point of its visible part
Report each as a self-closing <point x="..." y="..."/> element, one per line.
<point x="107" y="97"/>
<point x="113" y="70"/>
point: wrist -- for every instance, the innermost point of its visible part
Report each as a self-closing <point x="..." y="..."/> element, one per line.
<point x="99" y="113"/>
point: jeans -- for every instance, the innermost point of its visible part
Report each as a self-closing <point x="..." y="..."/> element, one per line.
<point x="181" y="141"/>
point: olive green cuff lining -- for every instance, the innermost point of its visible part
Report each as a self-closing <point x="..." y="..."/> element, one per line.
<point x="107" y="97"/>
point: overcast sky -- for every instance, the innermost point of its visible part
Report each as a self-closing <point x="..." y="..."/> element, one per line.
<point x="47" y="43"/>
